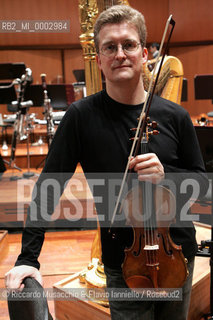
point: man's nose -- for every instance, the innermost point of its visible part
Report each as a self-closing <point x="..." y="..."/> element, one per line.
<point x="120" y="54"/>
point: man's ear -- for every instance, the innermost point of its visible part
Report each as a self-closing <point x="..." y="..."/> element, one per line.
<point x="98" y="60"/>
<point x="145" y="55"/>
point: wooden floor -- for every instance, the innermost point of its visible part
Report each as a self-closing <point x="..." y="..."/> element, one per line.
<point x="63" y="253"/>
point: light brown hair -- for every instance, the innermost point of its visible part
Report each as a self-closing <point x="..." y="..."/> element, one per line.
<point x="119" y="14"/>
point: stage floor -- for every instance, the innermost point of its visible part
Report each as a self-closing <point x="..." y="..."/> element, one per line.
<point x="67" y="252"/>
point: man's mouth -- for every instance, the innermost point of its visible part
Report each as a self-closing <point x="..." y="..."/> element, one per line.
<point x="120" y="66"/>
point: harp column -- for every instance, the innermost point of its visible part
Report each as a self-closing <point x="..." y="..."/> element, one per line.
<point x="88" y="13"/>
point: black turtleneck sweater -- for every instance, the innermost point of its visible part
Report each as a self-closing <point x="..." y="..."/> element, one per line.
<point x="95" y="131"/>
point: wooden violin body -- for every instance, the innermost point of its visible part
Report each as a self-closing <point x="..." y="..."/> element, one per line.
<point x="153" y="260"/>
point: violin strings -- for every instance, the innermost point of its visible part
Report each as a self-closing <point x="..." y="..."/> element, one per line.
<point x="145" y="225"/>
<point x="150" y="223"/>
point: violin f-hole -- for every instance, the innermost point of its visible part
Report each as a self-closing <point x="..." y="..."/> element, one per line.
<point x="137" y="253"/>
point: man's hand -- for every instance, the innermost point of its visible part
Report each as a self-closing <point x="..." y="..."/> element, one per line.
<point x="148" y="167"/>
<point x="15" y="276"/>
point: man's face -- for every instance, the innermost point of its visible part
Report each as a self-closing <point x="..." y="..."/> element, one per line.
<point x="152" y="49"/>
<point x="122" y="66"/>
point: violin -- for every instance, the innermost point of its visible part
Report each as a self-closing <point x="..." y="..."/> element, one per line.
<point x="153" y="260"/>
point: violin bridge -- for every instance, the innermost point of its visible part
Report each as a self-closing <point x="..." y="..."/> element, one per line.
<point x="154" y="247"/>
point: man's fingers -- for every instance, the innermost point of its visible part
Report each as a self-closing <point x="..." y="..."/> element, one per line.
<point x="15" y="277"/>
<point x="13" y="282"/>
<point x="21" y="287"/>
<point x="38" y="277"/>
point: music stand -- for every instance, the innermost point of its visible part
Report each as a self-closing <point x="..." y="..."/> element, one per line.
<point x="184" y="96"/>
<point x="7" y="94"/>
<point x="16" y="71"/>
<point x="79" y="75"/>
<point x="203" y="85"/>
<point x="61" y="95"/>
<point x="9" y="71"/>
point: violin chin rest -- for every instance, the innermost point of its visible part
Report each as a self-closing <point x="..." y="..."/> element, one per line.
<point x="139" y="282"/>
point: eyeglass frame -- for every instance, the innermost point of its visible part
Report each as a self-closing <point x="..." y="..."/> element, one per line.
<point x="122" y="46"/>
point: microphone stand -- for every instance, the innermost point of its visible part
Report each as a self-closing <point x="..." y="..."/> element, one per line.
<point x="22" y="107"/>
<point x="28" y="174"/>
<point x="48" y="114"/>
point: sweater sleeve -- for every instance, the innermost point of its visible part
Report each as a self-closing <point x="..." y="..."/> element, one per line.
<point x="191" y="165"/>
<point x="61" y="161"/>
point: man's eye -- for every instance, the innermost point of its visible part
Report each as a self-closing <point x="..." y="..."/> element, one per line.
<point x="110" y="47"/>
<point x="129" y="45"/>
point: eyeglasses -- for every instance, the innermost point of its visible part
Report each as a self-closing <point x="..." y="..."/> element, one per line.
<point x="128" y="47"/>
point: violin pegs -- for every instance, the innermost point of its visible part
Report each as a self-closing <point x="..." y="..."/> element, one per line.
<point x="133" y="129"/>
<point x="153" y="132"/>
<point x="153" y="125"/>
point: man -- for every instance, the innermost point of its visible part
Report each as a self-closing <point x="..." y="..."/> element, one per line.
<point x="96" y="132"/>
<point x="154" y="49"/>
